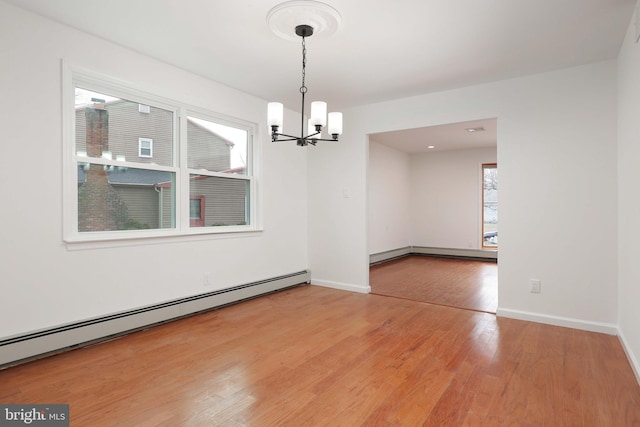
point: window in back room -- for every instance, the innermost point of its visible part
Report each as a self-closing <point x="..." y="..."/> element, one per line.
<point x="490" y="206"/>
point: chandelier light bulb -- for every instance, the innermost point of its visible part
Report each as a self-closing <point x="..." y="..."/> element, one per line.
<point x="335" y="124"/>
<point x="319" y="113"/>
<point x="275" y="114"/>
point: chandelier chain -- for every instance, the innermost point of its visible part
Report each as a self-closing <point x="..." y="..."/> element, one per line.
<point x="303" y="88"/>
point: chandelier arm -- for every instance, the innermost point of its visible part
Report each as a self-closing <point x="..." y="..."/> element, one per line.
<point x="324" y="139"/>
<point x="285" y="135"/>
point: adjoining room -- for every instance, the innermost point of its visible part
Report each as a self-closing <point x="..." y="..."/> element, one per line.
<point x="433" y="214"/>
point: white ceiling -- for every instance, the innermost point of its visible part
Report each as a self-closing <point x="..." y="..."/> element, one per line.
<point x="454" y="136"/>
<point x="382" y="50"/>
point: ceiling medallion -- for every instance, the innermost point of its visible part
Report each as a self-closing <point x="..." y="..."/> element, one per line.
<point x="285" y="17"/>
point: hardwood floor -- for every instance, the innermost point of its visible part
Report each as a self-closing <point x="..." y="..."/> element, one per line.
<point x="467" y="284"/>
<point x="312" y="356"/>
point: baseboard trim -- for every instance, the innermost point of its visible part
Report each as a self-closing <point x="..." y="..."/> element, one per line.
<point x="489" y="255"/>
<point x="342" y="286"/>
<point x="386" y="256"/>
<point x="633" y="360"/>
<point x="36" y="344"/>
<point x="567" y="322"/>
<point x="475" y="254"/>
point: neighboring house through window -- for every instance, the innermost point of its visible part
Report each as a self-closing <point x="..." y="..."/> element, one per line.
<point x="121" y="185"/>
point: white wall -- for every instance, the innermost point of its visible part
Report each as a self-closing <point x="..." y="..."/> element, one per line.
<point x="628" y="187"/>
<point x="558" y="216"/>
<point x="44" y="284"/>
<point x="338" y="255"/>
<point x="446" y="198"/>
<point x="425" y="199"/>
<point x="389" y="199"/>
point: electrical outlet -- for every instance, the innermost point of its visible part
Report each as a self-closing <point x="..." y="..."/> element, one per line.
<point x="206" y="279"/>
<point x="535" y="286"/>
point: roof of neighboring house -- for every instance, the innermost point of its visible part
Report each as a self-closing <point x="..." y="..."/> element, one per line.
<point x="226" y="141"/>
<point x="239" y="169"/>
<point x="131" y="176"/>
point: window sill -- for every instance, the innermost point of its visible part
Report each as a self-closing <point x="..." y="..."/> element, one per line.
<point x="154" y="237"/>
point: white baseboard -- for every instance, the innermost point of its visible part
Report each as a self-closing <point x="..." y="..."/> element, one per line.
<point x="392" y="254"/>
<point x="34" y="344"/>
<point x="605" y="328"/>
<point x="633" y="360"/>
<point x="456" y="253"/>
<point x="341" y="286"/>
<point x="389" y="255"/>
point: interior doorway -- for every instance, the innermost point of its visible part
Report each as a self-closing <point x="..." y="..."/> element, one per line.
<point x="427" y="195"/>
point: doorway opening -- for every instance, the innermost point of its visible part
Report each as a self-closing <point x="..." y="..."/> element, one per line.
<point x="426" y="196"/>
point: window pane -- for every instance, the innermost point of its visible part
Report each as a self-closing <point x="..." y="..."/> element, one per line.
<point x="112" y="127"/>
<point x="116" y="198"/>
<point x="224" y="200"/>
<point x="490" y="206"/>
<point x="215" y="147"/>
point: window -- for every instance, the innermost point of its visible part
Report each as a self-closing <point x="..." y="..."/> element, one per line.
<point x="145" y="148"/>
<point x="490" y="206"/>
<point x="196" y="211"/>
<point x="121" y="185"/>
<point x="216" y="158"/>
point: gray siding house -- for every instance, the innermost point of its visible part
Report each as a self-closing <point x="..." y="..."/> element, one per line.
<point x="143" y="198"/>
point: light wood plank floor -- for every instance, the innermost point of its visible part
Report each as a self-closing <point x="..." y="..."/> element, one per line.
<point x="460" y="283"/>
<point x="312" y="356"/>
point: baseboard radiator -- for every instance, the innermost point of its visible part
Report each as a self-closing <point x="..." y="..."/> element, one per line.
<point x="25" y="347"/>
<point x="386" y="256"/>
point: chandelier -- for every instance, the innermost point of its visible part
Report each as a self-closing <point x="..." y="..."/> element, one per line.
<point x="318" y="116"/>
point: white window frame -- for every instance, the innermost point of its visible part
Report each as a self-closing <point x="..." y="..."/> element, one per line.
<point x="74" y="76"/>
<point x="150" y="148"/>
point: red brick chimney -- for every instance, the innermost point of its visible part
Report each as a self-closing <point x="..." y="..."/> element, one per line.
<point x="100" y="207"/>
